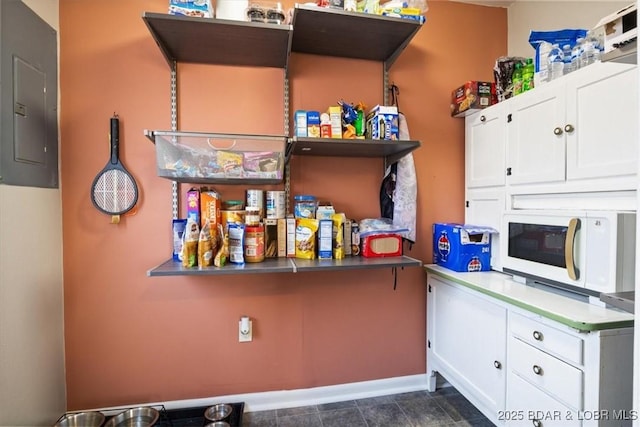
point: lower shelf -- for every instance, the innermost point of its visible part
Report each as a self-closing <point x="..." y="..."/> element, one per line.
<point x="284" y="265"/>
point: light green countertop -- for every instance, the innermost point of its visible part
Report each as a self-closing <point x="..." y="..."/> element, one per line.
<point x="572" y="312"/>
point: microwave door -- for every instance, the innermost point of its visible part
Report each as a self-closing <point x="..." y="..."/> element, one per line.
<point x="572" y="270"/>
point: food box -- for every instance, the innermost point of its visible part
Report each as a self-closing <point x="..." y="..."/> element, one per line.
<point x="382" y="245"/>
<point x="471" y="97"/>
<point x="325" y="239"/>
<point x="382" y="123"/>
<point x="313" y="124"/>
<point x="335" y="120"/>
<point x="462" y="247"/>
<point x="270" y="238"/>
<point x="193" y="204"/>
<point x="300" y="121"/>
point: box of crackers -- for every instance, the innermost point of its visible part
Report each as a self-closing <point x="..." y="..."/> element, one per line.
<point x="471" y="97"/>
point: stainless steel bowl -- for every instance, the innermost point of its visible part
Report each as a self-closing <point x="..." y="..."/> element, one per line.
<point x="144" y="416"/>
<point x="218" y="412"/>
<point x="218" y="424"/>
<point x="82" y="419"/>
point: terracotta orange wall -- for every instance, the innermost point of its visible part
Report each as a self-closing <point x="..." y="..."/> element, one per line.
<point x="135" y="339"/>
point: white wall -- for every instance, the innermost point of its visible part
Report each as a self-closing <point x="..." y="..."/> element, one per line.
<point x="32" y="379"/>
<point x="527" y="16"/>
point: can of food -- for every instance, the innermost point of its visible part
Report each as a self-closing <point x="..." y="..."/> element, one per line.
<point x="254" y="243"/>
<point x="231" y="217"/>
<point x="255" y="199"/>
<point x="275" y="202"/>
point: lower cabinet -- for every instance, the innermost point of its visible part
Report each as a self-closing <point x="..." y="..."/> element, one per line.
<point x="520" y="368"/>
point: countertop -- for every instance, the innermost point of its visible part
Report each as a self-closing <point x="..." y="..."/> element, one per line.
<point x="576" y="313"/>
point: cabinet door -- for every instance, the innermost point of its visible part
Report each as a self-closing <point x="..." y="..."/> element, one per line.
<point x="535" y="136"/>
<point x="485" y="148"/>
<point x="485" y="207"/>
<point x="467" y="337"/>
<point x="602" y="109"/>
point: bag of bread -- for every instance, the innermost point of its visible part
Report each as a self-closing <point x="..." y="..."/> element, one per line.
<point x="205" y="246"/>
<point x="190" y="243"/>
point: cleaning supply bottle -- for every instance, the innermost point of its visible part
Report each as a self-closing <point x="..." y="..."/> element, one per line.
<point x="527" y="75"/>
<point x="516" y="79"/>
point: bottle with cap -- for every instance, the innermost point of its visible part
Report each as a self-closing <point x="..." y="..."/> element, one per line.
<point x="566" y="52"/>
<point x="555" y="59"/>
<point x="527" y="75"/>
<point x="516" y="79"/>
<point x="576" y="54"/>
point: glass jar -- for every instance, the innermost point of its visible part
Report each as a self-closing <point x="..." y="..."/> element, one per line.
<point x="305" y="206"/>
<point x="252" y="216"/>
<point x="254" y="243"/>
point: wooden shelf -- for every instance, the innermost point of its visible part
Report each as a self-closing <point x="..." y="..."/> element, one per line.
<point x="390" y="150"/>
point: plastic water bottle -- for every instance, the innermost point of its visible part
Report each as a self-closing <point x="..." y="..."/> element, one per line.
<point x="576" y="54"/>
<point x="591" y="50"/>
<point x="527" y="75"/>
<point x="566" y="52"/>
<point x="555" y="59"/>
<point x="516" y="79"/>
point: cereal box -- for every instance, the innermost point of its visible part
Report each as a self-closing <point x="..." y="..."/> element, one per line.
<point x="471" y="97"/>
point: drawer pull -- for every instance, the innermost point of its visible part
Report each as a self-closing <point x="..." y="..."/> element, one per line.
<point x="537" y="370"/>
<point x="497" y="364"/>
<point x="537" y="335"/>
<point x="537" y="423"/>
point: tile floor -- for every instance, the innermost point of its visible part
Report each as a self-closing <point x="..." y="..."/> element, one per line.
<point x="445" y="407"/>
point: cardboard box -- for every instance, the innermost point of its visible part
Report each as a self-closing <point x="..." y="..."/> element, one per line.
<point x="282" y="237"/>
<point x="325" y="239"/>
<point x="382" y="123"/>
<point x="335" y="119"/>
<point x="270" y="238"/>
<point x="313" y="124"/>
<point x="471" y="97"/>
<point x="462" y="247"/>
<point x="210" y="209"/>
<point x="193" y="205"/>
<point x="300" y="123"/>
<point x="291" y="237"/>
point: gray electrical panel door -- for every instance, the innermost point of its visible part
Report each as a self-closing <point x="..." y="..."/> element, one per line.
<point x="28" y="98"/>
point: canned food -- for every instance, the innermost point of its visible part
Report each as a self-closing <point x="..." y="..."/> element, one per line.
<point x="275" y="202"/>
<point x="305" y="206"/>
<point x="255" y="199"/>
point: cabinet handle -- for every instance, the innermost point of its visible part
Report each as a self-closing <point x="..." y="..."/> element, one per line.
<point x="537" y="335"/>
<point x="557" y="131"/>
<point x="537" y="370"/>
<point x="537" y="423"/>
<point x="497" y="364"/>
<point x="483" y="118"/>
<point x="569" y="128"/>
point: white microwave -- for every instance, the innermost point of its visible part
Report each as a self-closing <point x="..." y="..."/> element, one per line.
<point x="585" y="251"/>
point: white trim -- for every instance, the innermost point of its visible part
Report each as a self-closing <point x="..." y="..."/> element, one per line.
<point x="268" y="400"/>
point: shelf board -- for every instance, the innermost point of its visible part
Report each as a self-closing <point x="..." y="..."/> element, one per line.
<point x="355" y="263"/>
<point x="335" y="32"/>
<point x="333" y="147"/>
<point x="626" y="54"/>
<point x="219" y="41"/>
<point x="284" y="265"/>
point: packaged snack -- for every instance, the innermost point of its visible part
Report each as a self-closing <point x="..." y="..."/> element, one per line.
<point x="178" y="230"/>
<point x="190" y="244"/>
<point x="231" y="163"/>
<point x="306" y="229"/>
<point x="205" y="246"/>
<point x="197" y="8"/>
<point x="223" y="248"/>
<point x="338" y="235"/>
<point x="236" y="243"/>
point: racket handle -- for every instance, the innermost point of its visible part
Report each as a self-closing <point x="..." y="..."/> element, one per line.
<point x="115" y="139"/>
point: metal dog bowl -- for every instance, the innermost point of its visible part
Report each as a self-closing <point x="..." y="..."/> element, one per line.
<point x="218" y="412"/>
<point x="81" y="419"/>
<point x="143" y="416"/>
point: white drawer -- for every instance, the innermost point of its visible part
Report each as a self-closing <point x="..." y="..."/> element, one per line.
<point x="546" y="372"/>
<point x="529" y="406"/>
<point x="547" y="338"/>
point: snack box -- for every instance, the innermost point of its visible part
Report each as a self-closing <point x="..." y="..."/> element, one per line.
<point x="300" y="120"/>
<point x="382" y="123"/>
<point x="193" y="204"/>
<point x="382" y="245"/>
<point x="471" y="97"/>
<point x="313" y="124"/>
<point x="462" y="247"/>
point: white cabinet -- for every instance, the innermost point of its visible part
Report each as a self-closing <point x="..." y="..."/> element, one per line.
<point x="575" y="131"/>
<point x="484" y="148"/>
<point x="466" y="340"/>
<point x="524" y="356"/>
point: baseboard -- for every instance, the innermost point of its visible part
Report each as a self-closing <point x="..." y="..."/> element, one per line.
<point x="309" y="396"/>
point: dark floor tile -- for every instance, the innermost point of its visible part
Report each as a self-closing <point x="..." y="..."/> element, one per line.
<point x="425" y="412"/>
<point x="458" y="407"/>
<point x="259" y="419"/>
<point x="476" y="422"/>
<point x="411" y="395"/>
<point x="385" y="415"/>
<point x="337" y="405"/>
<point x="444" y="391"/>
<point x="300" y="410"/>
<point x="350" y="417"/>
<point x="303" y="420"/>
<point x="374" y="400"/>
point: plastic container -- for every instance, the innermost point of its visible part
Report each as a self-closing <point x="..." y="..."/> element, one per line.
<point x="254" y="243"/>
<point x="305" y="206"/>
<point x="252" y="216"/>
<point x="555" y="59"/>
<point x="233" y="205"/>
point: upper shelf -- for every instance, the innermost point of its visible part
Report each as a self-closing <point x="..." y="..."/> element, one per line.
<point x="390" y="150"/>
<point x="335" y="32"/>
<point x="219" y="41"/>
<point x="320" y="31"/>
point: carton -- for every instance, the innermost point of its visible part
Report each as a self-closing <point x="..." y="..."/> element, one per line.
<point x="471" y="97"/>
<point x="335" y="120"/>
<point x="300" y="121"/>
<point x="462" y="247"/>
<point x="291" y="236"/>
<point x="313" y="124"/>
<point x="193" y="204"/>
<point x="210" y="209"/>
<point x="325" y="239"/>
<point x="382" y="123"/>
<point x="282" y="237"/>
<point x="270" y="238"/>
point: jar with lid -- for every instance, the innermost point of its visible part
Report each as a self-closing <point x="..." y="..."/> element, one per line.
<point x="305" y="206"/>
<point x="252" y="216"/>
<point x="254" y="243"/>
